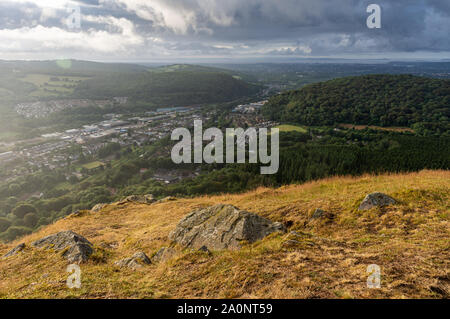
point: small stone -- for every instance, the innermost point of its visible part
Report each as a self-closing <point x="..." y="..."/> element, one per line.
<point x="205" y="249"/>
<point x="140" y="199"/>
<point x="376" y="199"/>
<point x="138" y="260"/>
<point x="318" y="213"/>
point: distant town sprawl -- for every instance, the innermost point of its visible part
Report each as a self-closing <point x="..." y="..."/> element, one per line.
<point x="54" y="150"/>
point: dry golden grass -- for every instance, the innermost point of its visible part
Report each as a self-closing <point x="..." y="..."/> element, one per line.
<point x="410" y="242"/>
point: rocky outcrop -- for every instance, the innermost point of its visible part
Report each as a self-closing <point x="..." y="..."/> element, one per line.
<point x="15" y="250"/>
<point x="140" y="199"/>
<point x="76" y="248"/>
<point x="221" y="227"/>
<point x="376" y="200"/>
<point x="138" y="260"/>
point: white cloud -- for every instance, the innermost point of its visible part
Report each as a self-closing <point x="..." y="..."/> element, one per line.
<point x="55" y="39"/>
<point x="180" y="17"/>
<point x="55" y="4"/>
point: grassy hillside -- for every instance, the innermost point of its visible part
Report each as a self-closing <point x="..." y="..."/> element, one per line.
<point x="409" y="241"/>
<point x="382" y="100"/>
<point x="173" y="85"/>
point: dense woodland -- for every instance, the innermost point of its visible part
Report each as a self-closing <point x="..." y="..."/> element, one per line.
<point x="384" y="100"/>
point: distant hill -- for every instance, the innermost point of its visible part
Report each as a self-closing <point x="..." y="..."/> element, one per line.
<point x="383" y="100"/>
<point x="68" y="67"/>
<point x="175" y="85"/>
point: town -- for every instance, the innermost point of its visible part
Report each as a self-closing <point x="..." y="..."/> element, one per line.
<point x="61" y="149"/>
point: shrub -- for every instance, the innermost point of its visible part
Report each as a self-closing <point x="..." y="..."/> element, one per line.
<point x="23" y="209"/>
<point x="4" y="224"/>
<point x="14" y="232"/>
<point x="30" y="220"/>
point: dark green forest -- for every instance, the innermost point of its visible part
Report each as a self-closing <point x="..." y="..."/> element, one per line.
<point x="422" y="104"/>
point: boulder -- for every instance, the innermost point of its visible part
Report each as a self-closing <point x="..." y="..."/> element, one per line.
<point x="15" y="250"/>
<point x="376" y="200"/>
<point x="222" y="227"/>
<point x="140" y="199"/>
<point x="75" y="247"/>
<point x="163" y="254"/>
<point x="134" y="262"/>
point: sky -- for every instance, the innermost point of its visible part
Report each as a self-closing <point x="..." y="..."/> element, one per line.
<point x="232" y="30"/>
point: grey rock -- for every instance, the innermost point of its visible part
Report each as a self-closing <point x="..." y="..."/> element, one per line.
<point x="76" y="214"/>
<point x="134" y="262"/>
<point x="75" y="247"/>
<point x="163" y="254"/>
<point x="318" y="213"/>
<point x="376" y="200"/>
<point x="15" y="250"/>
<point x="222" y="227"/>
<point x="140" y="199"/>
<point x="204" y="249"/>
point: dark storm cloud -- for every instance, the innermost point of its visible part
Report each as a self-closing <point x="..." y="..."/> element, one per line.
<point x="337" y="26"/>
<point x="250" y="27"/>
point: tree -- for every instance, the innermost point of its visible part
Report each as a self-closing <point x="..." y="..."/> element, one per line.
<point x="30" y="220"/>
<point x="15" y="231"/>
<point x="73" y="179"/>
<point x="4" y="224"/>
<point x="23" y="209"/>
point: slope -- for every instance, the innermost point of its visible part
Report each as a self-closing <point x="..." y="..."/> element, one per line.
<point x="409" y="241"/>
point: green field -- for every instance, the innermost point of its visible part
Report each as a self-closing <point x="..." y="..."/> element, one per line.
<point x="50" y="85"/>
<point x="93" y="165"/>
<point x="291" y="128"/>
